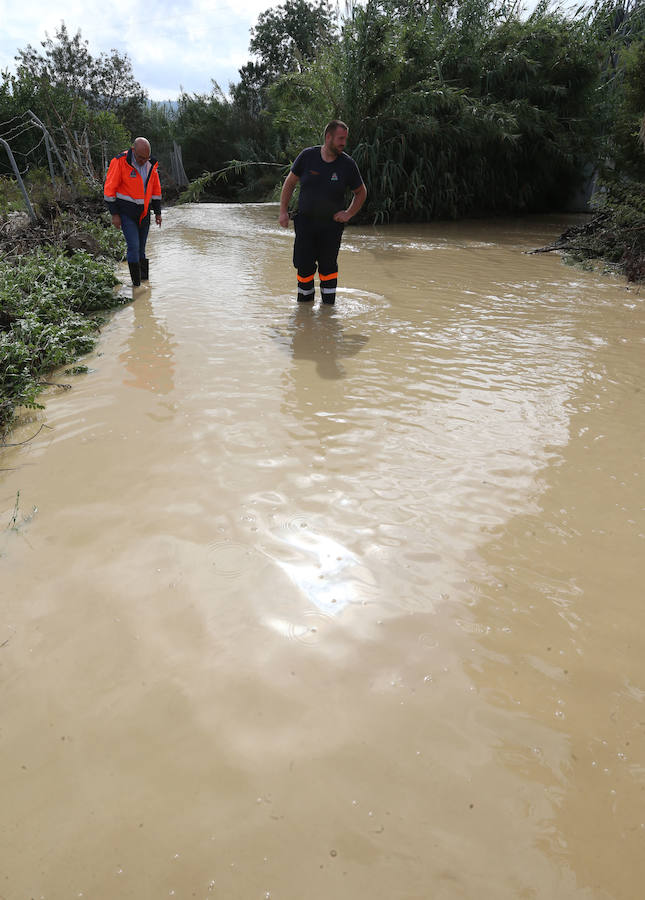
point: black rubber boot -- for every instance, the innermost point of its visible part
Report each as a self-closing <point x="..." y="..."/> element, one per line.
<point x="135" y="273"/>
<point x="145" y="268"/>
<point x="306" y="290"/>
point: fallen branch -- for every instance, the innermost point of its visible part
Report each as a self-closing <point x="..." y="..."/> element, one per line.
<point x="64" y="387"/>
<point x="20" y="443"/>
<point x="196" y="188"/>
<point x="548" y="249"/>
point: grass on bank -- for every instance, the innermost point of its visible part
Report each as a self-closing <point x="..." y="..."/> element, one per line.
<point x="49" y="305"/>
<point x="57" y="277"/>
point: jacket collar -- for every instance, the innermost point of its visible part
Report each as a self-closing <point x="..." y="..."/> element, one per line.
<point x="128" y="158"/>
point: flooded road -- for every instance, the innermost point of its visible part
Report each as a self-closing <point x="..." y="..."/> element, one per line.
<point x="304" y="603"/>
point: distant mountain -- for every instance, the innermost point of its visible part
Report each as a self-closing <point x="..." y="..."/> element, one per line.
<point x="170" y="105"/>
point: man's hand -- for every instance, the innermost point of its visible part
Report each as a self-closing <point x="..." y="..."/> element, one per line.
<point x="158" y="220"/>
<point x="284" y="218"/>
<point x="344" y="215"/>
<point x="116" y="220"/>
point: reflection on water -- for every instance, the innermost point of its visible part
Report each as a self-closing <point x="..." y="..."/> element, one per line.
<point x="353" y="608"/>
<point x="326" y="572"/>
<point x="319" y="336"/>
<point x="148" y="357"/>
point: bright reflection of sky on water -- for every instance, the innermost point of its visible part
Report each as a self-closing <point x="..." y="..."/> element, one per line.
<point x="326" y="572"/>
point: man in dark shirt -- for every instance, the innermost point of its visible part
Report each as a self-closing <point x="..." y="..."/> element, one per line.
<point x="325" y="175"/>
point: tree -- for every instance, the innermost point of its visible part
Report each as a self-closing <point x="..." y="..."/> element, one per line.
<point x="105" y="82"/>
<point x="205" y="127"/>
<point x="286" y="39"/>
<point x="89" y="104"/>
<point x="620" y="30"/>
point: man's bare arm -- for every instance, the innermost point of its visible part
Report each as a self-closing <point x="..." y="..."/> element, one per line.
<point x="360" y="195"/>
<point x="288" y="188"/>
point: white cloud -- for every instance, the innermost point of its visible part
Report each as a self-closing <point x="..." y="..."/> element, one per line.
<point x="171" y="45"/>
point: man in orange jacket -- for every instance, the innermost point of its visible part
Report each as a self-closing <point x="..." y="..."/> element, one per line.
<point x="132" y="188"/>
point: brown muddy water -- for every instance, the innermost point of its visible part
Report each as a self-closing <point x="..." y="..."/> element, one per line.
<point x="307" y="603"/>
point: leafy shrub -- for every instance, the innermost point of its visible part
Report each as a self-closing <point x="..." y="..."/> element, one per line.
<point x="48" y="302"/>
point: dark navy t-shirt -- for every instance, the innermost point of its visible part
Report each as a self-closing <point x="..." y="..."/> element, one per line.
<point x="323" y="185"/>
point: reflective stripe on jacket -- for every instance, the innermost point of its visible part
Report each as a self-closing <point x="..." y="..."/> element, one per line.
<point x="124" y="191"/>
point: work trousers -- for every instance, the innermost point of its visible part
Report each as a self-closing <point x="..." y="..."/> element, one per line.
<point x="316" y="246"/>
<point x="135" y="235"/>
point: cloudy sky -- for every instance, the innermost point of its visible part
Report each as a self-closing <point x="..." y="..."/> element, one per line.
<point x="172" y="45"/>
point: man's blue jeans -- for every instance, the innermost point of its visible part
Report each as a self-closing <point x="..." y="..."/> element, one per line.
<point x="135" y="237"/>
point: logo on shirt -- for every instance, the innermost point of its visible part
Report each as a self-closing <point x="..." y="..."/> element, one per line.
<point x="313" y="172"/>
<point x="133" y="174"/>
<point x="334" y="177"/>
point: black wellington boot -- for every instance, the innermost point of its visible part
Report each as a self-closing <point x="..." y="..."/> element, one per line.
<point x="135" y="273"/>
<point x="145" y="268"/>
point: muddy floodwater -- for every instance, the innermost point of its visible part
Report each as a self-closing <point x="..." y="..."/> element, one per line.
<point x="305" y="603"/>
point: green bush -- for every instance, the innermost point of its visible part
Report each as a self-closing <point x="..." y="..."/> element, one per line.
<point x="48" y="302"/>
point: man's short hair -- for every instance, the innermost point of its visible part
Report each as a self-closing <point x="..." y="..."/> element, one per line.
<point x="333" y="127"/>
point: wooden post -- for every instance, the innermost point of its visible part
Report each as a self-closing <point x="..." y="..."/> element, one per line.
<point x="21" y="185"/>
<point x="51" y="164"/>
<point x="88" y="155"/>
<point x="177" y="166"/>
<point x="35" y="119"/>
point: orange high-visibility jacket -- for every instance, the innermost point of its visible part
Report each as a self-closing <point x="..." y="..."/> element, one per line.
<point x="124" y="191"/>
